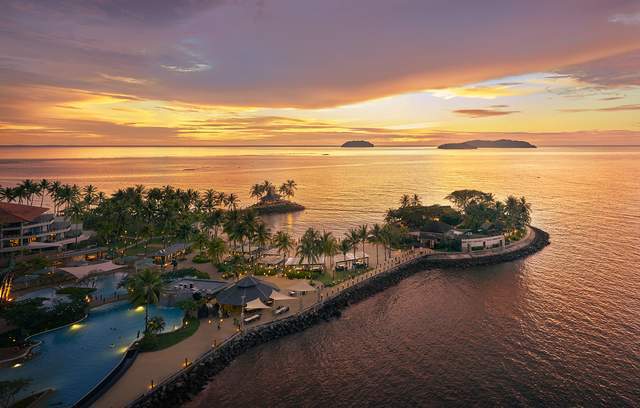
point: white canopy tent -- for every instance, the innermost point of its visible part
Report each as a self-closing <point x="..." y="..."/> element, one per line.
<point x="340" y="258"/>
<point x="256" y="304"/>
<point x="301" y="286"/>
<point x="84" y="270"/>
<point x="280" y="296"/>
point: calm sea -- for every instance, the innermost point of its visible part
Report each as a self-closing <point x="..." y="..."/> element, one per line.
<point x="559" y="328"/>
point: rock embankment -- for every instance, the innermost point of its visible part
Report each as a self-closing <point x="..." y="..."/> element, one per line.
<point x="186" y="385"/>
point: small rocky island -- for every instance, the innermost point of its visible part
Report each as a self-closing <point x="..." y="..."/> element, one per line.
<point x="357" y="143"/>
<point x="479" y="144"/>
<point x="271" y="199"/>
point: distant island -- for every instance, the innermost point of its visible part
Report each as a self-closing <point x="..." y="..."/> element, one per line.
<point x="357" y="143"/>
<point x="479" y="144"/>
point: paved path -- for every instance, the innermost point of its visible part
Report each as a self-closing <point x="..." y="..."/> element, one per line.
<point x="160" y="365"/>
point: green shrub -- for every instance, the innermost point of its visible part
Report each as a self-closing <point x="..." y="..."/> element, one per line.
<point x="161" y="341"/>
<point x="31" y="317"/>
<point x="181" y="273"/>
<point x="200" y="259"/>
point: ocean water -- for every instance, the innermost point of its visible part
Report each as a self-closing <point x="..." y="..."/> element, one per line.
<point x="561" y="327"/>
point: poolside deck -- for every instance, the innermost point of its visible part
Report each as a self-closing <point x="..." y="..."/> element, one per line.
<point x="164" y="364"/>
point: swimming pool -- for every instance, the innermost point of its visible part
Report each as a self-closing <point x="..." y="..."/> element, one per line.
<point x="73" y="359"/>
<point x="106" y="285"/>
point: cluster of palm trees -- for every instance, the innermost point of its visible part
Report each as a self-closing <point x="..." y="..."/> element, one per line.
<point x="267" y="191"/>
<point x="62" y="196"/>
<point x="313" y="244"/>
<point x="410" y="200"/>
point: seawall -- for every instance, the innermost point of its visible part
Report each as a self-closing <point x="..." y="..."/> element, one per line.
<point x="184" y="386"/>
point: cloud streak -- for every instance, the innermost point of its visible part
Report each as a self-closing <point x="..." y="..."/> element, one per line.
<point x="483" y="113"/>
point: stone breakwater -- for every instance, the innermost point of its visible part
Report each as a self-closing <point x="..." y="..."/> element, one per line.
<point x="183" y="387"/>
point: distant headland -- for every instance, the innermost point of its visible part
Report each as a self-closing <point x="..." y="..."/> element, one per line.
<point x="357" y="143"/>
<point x="479" y="144"/>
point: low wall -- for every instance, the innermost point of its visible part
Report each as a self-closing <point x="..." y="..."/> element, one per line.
<point x="109" y="380"/>
<point x="185" y="385"/>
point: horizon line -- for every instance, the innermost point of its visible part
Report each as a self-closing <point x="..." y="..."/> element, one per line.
<point x="290" y="145"/>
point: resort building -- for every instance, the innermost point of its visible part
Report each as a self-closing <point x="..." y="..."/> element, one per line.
<point x="434" y="232"/>
<point x="191" y="288"/>
<point x="30" y="228"/>
<point x="472" y="243"/>
<point x="177" y="251"/>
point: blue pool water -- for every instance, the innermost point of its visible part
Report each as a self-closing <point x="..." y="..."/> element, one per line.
<point x="72" y="360"/>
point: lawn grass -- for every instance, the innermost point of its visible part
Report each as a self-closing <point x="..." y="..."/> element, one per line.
<point x="164" y="340"/>
<point x="328" y="279"/>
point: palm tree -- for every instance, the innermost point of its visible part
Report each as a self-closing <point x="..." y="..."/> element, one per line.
<point x="309" y="247"/>
<point x="209" y="198"/>
<point x="376" y="238"/>
<point x="328" y="246"/>
<point x="416" y="200"/>
<point x="201" y="240"/>
<point x="146" y="232"/>
<point x="90" y="194"/>
<point x="156" y="324"/>
<point x="213" y="220"/>
<point x="262" y="236"/>
<point x="232" y="201"/>
<point x="353" y="236"/>
<point x="344" y="247"/>
<point x="283" y="242"/>
<point x="405" y="201"/>
<point x="363" y="233"/>
<point x="76" y="213"/>
<point x="292" y="186"/>
<point x="8" y="194"/>
<point x="216" y="250"/>
<point x="144" y="290"/>
<point x="43" y="186"/>
<point x="257" y="190"/>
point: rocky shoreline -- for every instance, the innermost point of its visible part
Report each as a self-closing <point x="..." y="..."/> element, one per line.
<point x="279" y="207"/>
<point x="189" y="383"/>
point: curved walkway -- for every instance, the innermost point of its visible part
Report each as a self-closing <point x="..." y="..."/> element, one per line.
<point x="160" y="366"/>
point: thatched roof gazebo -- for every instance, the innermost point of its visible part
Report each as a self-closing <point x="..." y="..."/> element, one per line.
<point x="245" y="290"/>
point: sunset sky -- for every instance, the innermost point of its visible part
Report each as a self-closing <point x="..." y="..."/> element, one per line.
<point x="423" y="72"/>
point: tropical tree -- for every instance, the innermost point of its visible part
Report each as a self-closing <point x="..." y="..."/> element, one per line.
<point x="232" y="201"/>
<point x="376" y="238"/>
<point x="144" y="290"/>
<point x="261" y="236"/>
<point x="344" y="247"/>
<point x="283" y="242"/>
<point x="156" y="324"/>
<point x="288" y="188"/>
<point x="213" y="220"/>
<point x="416" y="200"/>
<point x="257" y="190"/>
<point x="43" y="190"/>
<point x="405" y="201"/>
<point x="201" y="240"/>
<point x="328" y="246"/>
<point x="354" y="237"/>
<point x="463" y="198"/>
<point x="216" y="248"/>
<point x="309" y="246"/>
<point x="363" y="234"/>
<point x="76" y="213"/>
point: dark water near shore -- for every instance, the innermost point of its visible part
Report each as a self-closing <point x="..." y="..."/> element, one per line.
<point x="559" y="328"/>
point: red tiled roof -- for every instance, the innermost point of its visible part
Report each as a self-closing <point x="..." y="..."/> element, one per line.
<point x="10" y="213"/>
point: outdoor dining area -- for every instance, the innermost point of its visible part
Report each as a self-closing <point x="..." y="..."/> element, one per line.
<point x="252" y="298"/>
